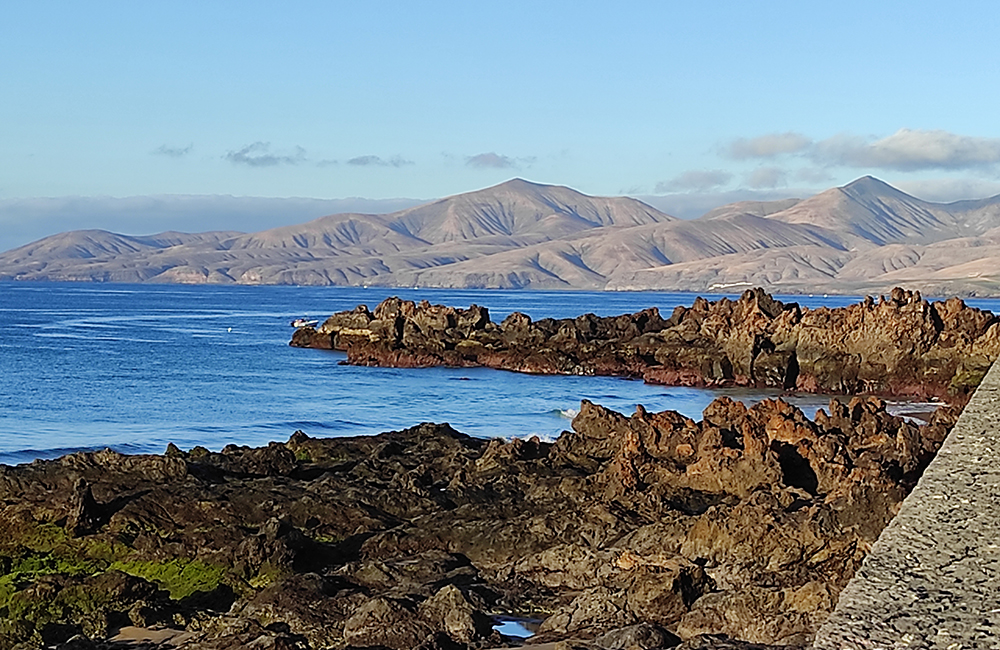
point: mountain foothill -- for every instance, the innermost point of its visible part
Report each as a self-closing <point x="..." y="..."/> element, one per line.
<point x="866" y="236"/>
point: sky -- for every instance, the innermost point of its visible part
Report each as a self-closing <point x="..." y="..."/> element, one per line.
<point x="693" y="104"/>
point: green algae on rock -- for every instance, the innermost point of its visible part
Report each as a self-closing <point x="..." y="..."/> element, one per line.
<point x="416" y="538"/>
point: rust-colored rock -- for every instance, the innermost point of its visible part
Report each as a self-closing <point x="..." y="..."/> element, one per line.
<point x="897" y="346"/>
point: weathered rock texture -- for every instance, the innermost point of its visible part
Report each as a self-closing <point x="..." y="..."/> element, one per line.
<point x="636" y="531"/>
<point x="900" y="346"/>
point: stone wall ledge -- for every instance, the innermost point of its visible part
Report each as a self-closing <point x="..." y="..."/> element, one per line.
<point x="932" y="580"/>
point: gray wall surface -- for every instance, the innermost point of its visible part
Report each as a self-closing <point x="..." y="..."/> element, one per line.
<point x="932" y="580"/>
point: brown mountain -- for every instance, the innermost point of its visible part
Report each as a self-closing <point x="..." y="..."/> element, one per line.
<point x="877" y="213"/>
<point x="865" y="236"/>
<point x="597" y="258"/>
<point x="337" y="249"/>
<point x="881" y="237"/>
<point x="519" y="208"/>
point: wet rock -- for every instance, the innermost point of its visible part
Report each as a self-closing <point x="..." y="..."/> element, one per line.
<point x="270" y="553"/>
<point x="52" y="608"/>
<point x="308" y="337"/>
<point x="235" y="633"/>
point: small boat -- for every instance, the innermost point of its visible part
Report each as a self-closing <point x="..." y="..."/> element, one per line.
<point x="304" y="322"/>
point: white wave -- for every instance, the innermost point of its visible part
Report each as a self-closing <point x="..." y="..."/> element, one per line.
<point x="544" y="437"/>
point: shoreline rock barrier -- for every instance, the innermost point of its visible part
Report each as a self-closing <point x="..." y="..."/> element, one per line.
<point x="932" y="580"/>
<point x="648" y="527"/>
<point x="630" y="531"/>
<point x="900" y="346"/>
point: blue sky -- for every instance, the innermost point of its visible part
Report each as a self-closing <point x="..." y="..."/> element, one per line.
<point x="695" y="101"/>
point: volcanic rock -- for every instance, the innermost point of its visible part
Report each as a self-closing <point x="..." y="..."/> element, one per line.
<point x="628" y="531"/>
<point x="897" y="346"/>
<point x="85" y="513"/>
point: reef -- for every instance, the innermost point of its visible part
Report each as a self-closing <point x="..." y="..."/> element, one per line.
<point x="642" y="531"/>
<point x="900" y="346"/>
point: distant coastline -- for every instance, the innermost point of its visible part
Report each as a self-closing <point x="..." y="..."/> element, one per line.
<point x="863" y="238"/>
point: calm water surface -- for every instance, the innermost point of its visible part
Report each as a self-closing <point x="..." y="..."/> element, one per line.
<point x="133" y="367"/>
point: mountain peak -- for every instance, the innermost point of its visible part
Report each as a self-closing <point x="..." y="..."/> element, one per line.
<point x="521" y="209"/>
<point x="520" y="234"/>
<point x="871" y="185"/>
<point x="517" y="181"/>
<point x="873" y="211"/>
<point x="518" y="185"/>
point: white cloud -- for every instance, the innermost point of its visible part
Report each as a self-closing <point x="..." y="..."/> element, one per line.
<point x="813" y="175"/>
<point x="259" y="154"/>
<point x="910" y="150"/>
<point x="770" y="145"/>
<point x="767" y="178"/>
<point x="695" y="180"/>
<point x="365" y="161"/>
<point x="491" y="160"/>
<point x="946" y="190"/>
<point x="172" y="152"/>
<point x="904" y="150"/>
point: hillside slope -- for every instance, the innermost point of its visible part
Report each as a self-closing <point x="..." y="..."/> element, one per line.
<point x="863" y="237"/>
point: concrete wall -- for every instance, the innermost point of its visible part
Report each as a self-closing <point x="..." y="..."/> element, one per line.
<point x="932" y="580"/>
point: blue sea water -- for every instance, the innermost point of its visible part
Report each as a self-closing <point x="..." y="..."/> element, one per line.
<point x="134" y="367"/>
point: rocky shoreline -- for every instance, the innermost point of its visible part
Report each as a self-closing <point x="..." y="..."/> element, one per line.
<point x="901" y="346"/>
<point x="641" y="531"/>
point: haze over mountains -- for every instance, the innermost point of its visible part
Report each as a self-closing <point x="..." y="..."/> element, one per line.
<point x="27" y="219"/>
<point x="864" y="237"/>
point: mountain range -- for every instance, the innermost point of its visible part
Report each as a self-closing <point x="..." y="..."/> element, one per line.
<point x="863" y="237"/>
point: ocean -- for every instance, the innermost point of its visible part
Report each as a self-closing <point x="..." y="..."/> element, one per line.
<point x="85" y="366"/>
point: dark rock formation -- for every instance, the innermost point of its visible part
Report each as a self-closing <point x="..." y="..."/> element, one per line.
<point x="900" y="346"/>
<point x="637" y="531"/>
<point x="85" y="513"/>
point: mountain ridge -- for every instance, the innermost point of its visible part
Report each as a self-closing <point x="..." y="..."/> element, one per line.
<point x="863" y="236"/>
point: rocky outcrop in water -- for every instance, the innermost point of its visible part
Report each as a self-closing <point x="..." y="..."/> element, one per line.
<point x="628" y="531"/>
<point x="900" y="346"/>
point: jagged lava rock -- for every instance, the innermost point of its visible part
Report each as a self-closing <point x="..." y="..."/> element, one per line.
<point x="641" y="529"/>
<point x="897" y="346"/>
